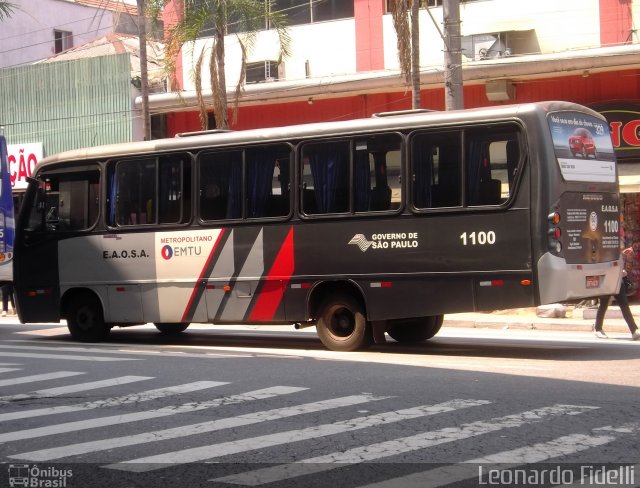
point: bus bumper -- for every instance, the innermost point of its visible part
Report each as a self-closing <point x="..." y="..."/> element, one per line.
<point x="560" y="282"/>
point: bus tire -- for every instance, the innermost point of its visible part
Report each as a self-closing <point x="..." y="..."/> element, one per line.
<point x="171" y="328"/>
<point x="342" y="325"/>
<point x="415" y="330"/>
<point x="85" y="319"/>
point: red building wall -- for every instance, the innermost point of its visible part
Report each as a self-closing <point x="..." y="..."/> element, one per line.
<point x="586" y="90"/>
<point x="616" y="22"/>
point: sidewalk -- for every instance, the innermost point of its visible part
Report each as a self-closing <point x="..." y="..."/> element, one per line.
<point x="575" y="319"/>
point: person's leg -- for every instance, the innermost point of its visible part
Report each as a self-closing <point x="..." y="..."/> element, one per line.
<point x="602" y="310"/>
<point x="623" y="303"/>
<point x="5" y="301"/>
<point x="13" y="303"/>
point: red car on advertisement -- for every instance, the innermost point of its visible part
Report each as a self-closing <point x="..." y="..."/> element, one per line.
<point x="581" y="142"/>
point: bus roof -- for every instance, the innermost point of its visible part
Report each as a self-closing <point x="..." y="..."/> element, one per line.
<point x="403" y="120"/>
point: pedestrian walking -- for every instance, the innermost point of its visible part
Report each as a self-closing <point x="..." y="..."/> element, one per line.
<point x="623" y="303"/>
<point x="7" y="296"/>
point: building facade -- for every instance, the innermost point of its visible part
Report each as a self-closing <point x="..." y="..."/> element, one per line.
<point x="38" y="29"/>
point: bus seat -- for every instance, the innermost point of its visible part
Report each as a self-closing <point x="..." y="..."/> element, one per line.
<point x="490" y="192"/>
<point x="278" y="205"/>
<point x="444" y="196"/>
<point x="308" y="201"/>
<point x="380" y="198"/>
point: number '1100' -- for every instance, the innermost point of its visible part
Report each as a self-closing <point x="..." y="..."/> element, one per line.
<point x="478" y="238"/>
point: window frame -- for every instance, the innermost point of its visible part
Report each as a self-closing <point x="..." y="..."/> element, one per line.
<point x="463" y="133"/>
<point x="244" y="218"/>
<point x="351" y="212"/>
<point x="187" y="182"/>
<point x="65" y="38"/>
<point x="89" y="167"/>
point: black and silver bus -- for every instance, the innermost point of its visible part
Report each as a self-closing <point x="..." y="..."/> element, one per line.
<point x="359" y="227"/>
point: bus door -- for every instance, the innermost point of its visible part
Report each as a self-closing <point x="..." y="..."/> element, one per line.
<point x="36" y="274"/>
<point x="54" y="232"/>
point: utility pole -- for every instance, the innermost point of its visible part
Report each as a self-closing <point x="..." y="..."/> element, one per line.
<point x="454" y="97"/>
<point x="144" y="76"/>
<point x="415" y="54"/>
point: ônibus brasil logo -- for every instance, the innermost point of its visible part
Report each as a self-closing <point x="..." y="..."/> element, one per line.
<point x="167" y="252"/>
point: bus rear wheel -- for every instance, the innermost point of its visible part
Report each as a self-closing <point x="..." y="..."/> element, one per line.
<point x="342" y="325"/>
<point x="85" y="319"/>
<point x="415" y="330"/>
<point x="171" y="328"/>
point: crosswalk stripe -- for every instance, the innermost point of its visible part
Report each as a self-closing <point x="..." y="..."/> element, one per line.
<point x="373" y="452"/>
<point x="92" y="385"/>
<point x="474" y="468"/>
<point x="65" y="357"/>
<point x="38" y="377"/>
<point x="144" y="415"/>
<point x="195" y="429"/>
<point x="9" y="370"/>
<point x="109" y="402"/>
<point x="233" y="447"/>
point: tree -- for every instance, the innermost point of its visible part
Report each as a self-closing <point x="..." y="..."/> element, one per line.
<point x="214" y="19"/>
<point x="6" y="9"/>
<point x="406" y="23"/>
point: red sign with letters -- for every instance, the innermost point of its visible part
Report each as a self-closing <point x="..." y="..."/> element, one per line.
<point x="22" y="160"/>
<point x="624" y="120"/>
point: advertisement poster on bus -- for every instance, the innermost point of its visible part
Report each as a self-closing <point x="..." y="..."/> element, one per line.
<point x="583" y="147"/>
<point x="22" y="160"/>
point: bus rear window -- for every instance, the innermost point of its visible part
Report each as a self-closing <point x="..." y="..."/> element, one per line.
<point x="583" y="147"/>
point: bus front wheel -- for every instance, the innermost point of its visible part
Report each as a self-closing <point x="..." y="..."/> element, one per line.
<point x="342" y="325"/>
<point x="85" y="319"/>
<point x="415" y="330"/>
<point x="171" y="328"/>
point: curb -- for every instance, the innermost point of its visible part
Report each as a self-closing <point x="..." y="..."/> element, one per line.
<point x="576" y="320"/>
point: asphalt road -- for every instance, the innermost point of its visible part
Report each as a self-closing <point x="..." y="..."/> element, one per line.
<point x="271" y="407"/>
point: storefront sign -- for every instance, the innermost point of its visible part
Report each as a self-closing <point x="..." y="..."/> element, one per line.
<point x="624" y="121"/>
<point x="22" y="160"/>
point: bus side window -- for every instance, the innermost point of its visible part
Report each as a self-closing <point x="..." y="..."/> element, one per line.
<point x="174" y="189"/>
<point x="70" y="202"/>
<point x="435" y="170"/>
<point x="267" y="176"/>
<point x="492" y="156"/>
<point x="220" y="185"/>
<point x="377" y="173"/>
<point x="327" y="164"/>
<point x="135" y="192"/>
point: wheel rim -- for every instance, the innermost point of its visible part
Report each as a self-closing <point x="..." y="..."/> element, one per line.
<point x="343" y="323"/>
<point x="85" y="319"/>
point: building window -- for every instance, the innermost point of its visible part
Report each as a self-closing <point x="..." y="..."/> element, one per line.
<point x="262" y="71"/>
<point x="63" y="40"/>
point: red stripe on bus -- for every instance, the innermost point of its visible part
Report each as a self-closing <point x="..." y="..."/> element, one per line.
<point x="272" y="289"/>
<point x="185" y="315"/>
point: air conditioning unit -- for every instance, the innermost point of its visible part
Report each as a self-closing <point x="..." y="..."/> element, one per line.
<point x="485" y="46"/>
<point x="500" y="90"/>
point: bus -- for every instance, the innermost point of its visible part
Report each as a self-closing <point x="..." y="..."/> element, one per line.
<point x="7" y="231"/>
<point x="362" y="228"/>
